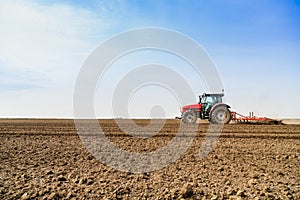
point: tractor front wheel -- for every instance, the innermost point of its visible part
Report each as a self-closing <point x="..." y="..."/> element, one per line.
<point x="189" y="117"/>
<point x="220" y="115"/>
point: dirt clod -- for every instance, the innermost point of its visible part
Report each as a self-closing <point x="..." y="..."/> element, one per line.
<point x="61" y="178"/>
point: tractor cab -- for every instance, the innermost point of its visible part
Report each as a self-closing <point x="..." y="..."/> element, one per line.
<point x="208" y="101"/>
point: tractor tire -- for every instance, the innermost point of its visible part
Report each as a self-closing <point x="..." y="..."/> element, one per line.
<point x="189" y="117"/>
<point x="220" y="115"/>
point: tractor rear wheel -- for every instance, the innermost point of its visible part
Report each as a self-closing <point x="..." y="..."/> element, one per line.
<point x="220" y="115"/>
<point x="189" y="117"/>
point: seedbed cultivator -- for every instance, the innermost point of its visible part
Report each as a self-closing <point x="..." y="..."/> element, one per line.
<point x="251" y="119"/>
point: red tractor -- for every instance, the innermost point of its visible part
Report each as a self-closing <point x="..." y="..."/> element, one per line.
<point x="209" y="107"/>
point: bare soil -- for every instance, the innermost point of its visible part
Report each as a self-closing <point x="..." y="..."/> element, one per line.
<point x="45" y="159"/>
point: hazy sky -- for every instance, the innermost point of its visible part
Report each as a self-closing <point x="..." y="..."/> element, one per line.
<point x="254" y="44"/>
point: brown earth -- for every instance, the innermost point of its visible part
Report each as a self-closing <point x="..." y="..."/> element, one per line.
<point x="45" y="159"/>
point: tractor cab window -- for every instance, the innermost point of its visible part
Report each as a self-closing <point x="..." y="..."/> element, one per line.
<point x="208" y="100"/>
<point x="218" y="99"/>
<point x="212" y="99"/>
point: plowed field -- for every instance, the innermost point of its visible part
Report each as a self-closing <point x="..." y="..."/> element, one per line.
<point x="45" y="159"/>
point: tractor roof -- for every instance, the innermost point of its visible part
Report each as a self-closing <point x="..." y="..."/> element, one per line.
<point x="213" y="94"/>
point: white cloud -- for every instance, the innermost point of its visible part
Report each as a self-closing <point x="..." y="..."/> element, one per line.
<point x="42" y="49"/>
<point x="49" y="41"/>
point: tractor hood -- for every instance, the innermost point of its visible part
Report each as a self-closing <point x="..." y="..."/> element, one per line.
<point x="195" y="107"/>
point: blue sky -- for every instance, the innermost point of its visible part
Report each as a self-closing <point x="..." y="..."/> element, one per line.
<point x="254" y="44"/>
